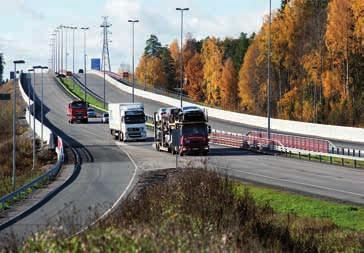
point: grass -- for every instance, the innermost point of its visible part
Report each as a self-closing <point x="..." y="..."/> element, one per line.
<point x="195" y="210"/>
<point x="75" y="89"/>
<point x="345" y="216"/>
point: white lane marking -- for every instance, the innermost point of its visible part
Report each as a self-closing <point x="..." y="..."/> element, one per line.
<point x="299" y="183"/>
<point x="120" y="197"/>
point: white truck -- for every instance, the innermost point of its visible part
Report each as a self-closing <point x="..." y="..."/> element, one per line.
<point x="127" y="121"/>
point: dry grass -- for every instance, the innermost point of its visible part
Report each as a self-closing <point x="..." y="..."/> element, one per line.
<point x="199" y="211"/>
<point x="24" y="160"/>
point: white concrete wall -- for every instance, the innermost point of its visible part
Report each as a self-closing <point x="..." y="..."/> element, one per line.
<point x="349" y="134"/>
<point x="38" y="126"/>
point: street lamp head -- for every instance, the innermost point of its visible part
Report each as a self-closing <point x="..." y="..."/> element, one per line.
<point x="19" y="62"/>
<point x="37" y="67"/>
<point x="133" y="21"/>
<point x="44" y="67"/>
<point x="85" y="28"/>
<point x="30" y="70"/>
<point x="182" y="9"/>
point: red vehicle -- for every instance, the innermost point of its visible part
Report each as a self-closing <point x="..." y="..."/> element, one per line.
<point x="125" y="74"/>
<point x="184" y="131"/>
<point x="77" y="112"/>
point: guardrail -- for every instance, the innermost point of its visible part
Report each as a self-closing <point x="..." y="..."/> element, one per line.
<point x="23" y="190"/>
<point x="6" y="200"/>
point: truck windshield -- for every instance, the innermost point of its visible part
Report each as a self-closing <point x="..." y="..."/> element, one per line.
<point x="194" y="130"/>
<point x="134" y="117"/>
<point x="78" y="105"/>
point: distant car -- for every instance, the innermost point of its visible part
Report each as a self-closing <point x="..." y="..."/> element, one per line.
<point x="105" y="118"/>
<point x="91" y="113"/>
<point x="69" y="73"/>
<point x="80" y="71"/>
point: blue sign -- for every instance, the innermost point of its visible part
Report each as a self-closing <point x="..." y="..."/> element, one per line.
<point x="96" y="64"/>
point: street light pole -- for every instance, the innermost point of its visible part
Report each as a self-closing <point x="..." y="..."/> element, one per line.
<point x="84" y="51"/>
<point x="73" y="48"/>
<point x="133" y="23"/>
<point x="35" y="68"/>
<point x="269" y="70"/>
<point x="62" y="68"/>
<point x="14" y="123"/>
<point x="66" y="30"/>
<point x="41" y="108"/>
<point x="182" y="10"/>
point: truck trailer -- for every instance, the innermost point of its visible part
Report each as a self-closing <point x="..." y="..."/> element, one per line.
<point x="127" y="121"/>
<point x="182" y="131"/>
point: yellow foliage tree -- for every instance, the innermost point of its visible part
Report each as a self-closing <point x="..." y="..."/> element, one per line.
<point x="229" y="86"/>
<point x="212" y="57"/>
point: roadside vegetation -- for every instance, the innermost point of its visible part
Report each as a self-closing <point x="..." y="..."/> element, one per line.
<point x="75" y="89"/>
<point x="24" y="159"/>
<point x="195" y="210"/>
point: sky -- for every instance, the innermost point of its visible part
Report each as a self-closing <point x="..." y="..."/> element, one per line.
<point x="27" y="25"/>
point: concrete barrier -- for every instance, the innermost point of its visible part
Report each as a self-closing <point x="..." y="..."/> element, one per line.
<point x="47" y="133"/>
<point x="349" y="134"/>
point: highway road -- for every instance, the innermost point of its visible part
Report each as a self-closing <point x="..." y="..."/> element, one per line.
<point x="105" y="172"/>
<point x="344" y="184"/>
<point x="115" y="95"/>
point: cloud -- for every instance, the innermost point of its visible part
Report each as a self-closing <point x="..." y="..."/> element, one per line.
<point x="164" y="21"/>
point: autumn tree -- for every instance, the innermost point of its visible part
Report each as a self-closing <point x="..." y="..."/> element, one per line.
<point x="195" y="83"/>
<point x="212" y="57"/>
<point x="229" y="86"/>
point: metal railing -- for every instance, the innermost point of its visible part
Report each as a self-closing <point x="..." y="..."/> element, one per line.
<point x="10" y="198"/>
<point x="297" y="142"/>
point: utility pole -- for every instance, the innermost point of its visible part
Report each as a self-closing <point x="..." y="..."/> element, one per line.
<point x="269" y="70"/>
<point x="14" y="123"/>
<point x="85" y="55"/>
<point x="105" y="52"/>
<point x="182" y="10"/>
<point x="133" y="60"/>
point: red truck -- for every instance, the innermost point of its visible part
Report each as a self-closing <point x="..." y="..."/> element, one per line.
<point x="184" y="131"/>
<point x="77" y="112"/>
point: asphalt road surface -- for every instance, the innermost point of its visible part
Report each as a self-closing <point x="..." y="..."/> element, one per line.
<point x="105" y="172"/>
<point x="115" y="95"/>
<point x="344" y="184"/>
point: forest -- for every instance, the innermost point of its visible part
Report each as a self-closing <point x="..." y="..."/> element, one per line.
<point x="317" y="63"/>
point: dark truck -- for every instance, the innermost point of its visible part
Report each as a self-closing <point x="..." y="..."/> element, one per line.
<point x="77" y="112"/>
<point x="184" y="131"/>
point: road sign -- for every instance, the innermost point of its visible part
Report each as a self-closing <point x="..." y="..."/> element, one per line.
<point x="4" y="96"/>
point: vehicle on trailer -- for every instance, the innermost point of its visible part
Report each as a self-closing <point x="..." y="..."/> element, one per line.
<point x="183" y="131"/>
<point x="77" y="112"/>
<point x="80" y="71"/>
<point x="127" y="121"/>
<point x="91" y="113"/>
<point x="105" y="118"/>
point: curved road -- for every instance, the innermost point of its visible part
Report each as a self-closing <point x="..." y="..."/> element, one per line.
<point x="105" y="171"/>
<point x="115" y="95"/>
<point x="334" y="182"/>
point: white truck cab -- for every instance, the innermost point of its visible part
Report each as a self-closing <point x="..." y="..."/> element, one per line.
<point x="127" y="121"/>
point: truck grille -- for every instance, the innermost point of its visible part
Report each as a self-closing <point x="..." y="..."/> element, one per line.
<point x="132" y="129"/>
